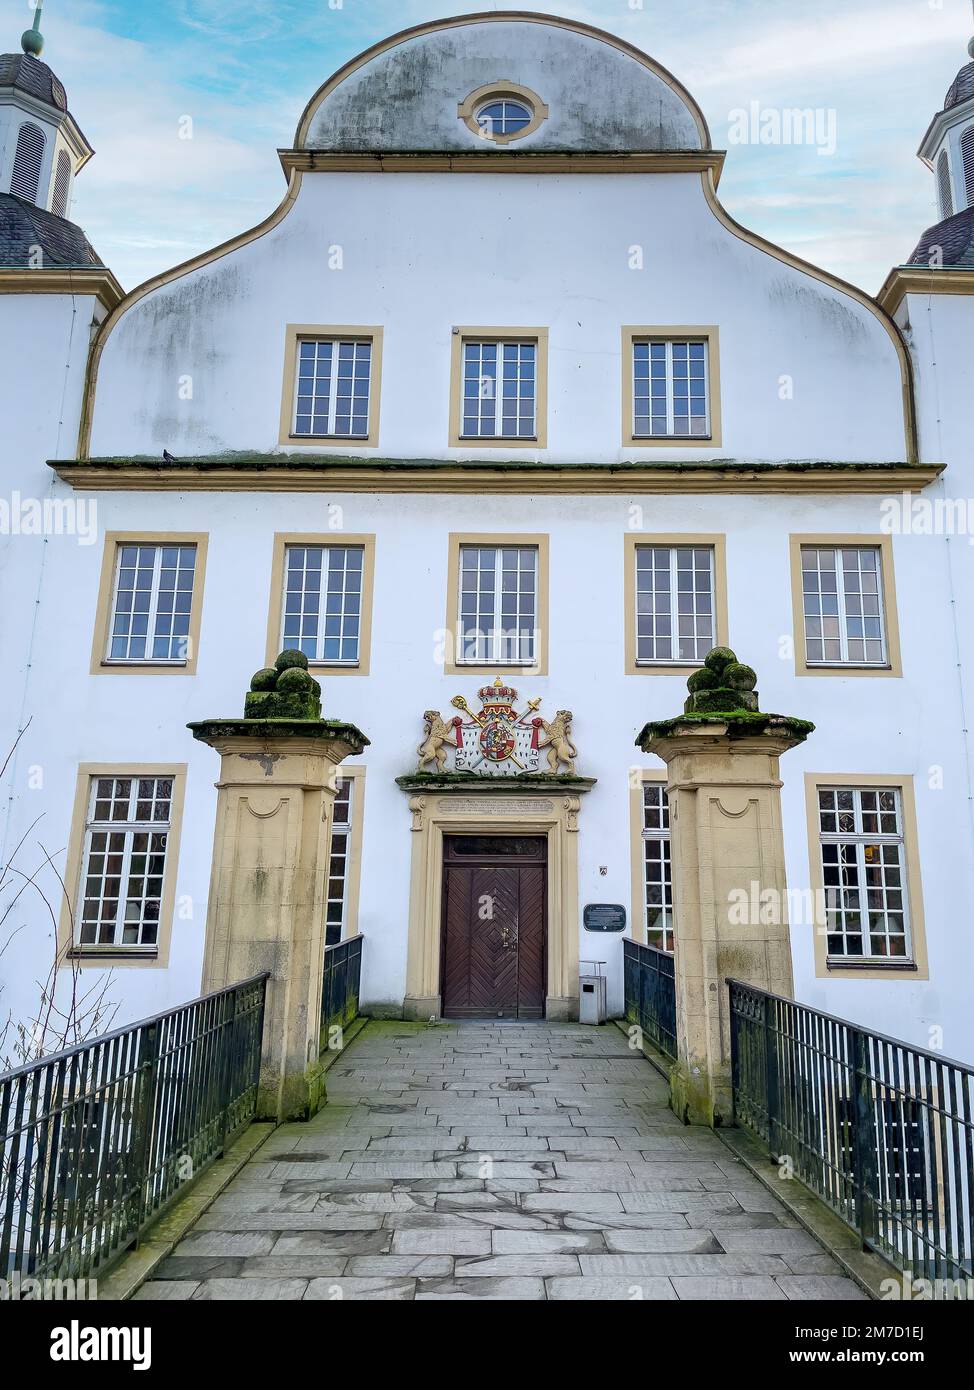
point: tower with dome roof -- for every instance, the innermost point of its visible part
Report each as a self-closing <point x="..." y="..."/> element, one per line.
<point x="42" y="150"/>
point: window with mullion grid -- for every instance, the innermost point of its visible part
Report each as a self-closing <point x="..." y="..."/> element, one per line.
<point x="675" y="602"/>
<point x="333" y="387"/>
<point x="323" y="602"/>
<point x="864" y="873"/>
<point x="152" y="603"/>
<point x="657" y="869"/>
<point x="124" y="862"/>
<point x="336" y="911"/>
<point x="842" y="603"/>
<point x="498" y="605"/>
<point x="671" y="389"/>
<point x="499" y="390"/>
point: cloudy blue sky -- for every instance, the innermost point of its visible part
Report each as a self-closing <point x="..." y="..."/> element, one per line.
<point x="243" y="70"/>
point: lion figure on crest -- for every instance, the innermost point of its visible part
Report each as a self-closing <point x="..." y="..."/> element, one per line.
<point x="438" y="733"/>
<point x="558" y="741"/>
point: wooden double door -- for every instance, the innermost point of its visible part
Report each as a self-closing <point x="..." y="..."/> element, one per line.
<point x="494" y="937"/>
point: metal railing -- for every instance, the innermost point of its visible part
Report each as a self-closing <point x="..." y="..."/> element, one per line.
<point x="340" y="984"/>
<point x="881" y="1131"/>
<point x="650" y="993"/>
<point x="97" y="1139"/>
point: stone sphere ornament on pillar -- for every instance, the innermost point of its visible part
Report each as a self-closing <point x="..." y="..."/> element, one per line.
<point x="268" y="885"/>
<point x="724" y="791"/>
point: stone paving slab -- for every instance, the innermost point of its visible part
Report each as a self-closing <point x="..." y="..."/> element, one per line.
<point x="496" y="1161"/>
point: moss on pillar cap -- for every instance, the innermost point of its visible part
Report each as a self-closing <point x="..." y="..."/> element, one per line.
<point x="284" y="701"/>
<point x="722" y="692"/>
<point x="286" y="690"/>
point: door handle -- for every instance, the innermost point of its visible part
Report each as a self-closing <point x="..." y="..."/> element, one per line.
<point x="508" y="937"/>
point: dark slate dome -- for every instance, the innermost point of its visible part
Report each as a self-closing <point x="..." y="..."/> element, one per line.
<point x="23" y="227"/>
<point x="961" y="89"/>
<point x="955" y="239"/>
<point x="28" y="74"/>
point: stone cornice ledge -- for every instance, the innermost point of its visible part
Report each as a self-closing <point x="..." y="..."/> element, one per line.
<point x="503" y="161"/>
<point x="94" y="280"/>
<point x="743" y="724"/>
<point x="919" y="279"/>
<point x="517" y="784"/>
<point x="311" y="472"/>
<point x="260" y="732"/>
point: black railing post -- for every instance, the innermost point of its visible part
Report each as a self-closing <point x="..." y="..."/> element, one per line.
<point x="864" y="1157"/>
<point x="258" y="1041"/>
<point x="735" y="1055"/>
<point x="226" y="1053"/>
<point x="771" y="1075"/>
<point x="148" y="1071"/>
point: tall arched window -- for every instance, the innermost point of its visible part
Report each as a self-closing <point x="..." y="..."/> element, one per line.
<point x="27" y="162"/>
<point x="62" y="183"/>
<point x="967" y="154"/>
<point x="943" y="179"/>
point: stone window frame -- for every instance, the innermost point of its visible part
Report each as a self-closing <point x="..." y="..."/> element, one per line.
<point x="499" y="91"/>
<point x="838" y="541"/>
<point x="479" y="669"/>
<point x="873" y="967"/>
<point x="284" y="539"/>
<point x="296" y="333"/>
<point x="101" y="663"/>
<point x="472" y="334"/>
<point x="113" y="957"/>
<point x="638" y="780"/>
<point x="710" y="334"/>
<point x="633" y="541"/>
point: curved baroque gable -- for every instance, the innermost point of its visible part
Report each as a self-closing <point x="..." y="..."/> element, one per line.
<point x="601" y="95"/>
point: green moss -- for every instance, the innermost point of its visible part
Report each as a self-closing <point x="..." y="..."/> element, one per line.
<point x="207" y="730"/>
<point x="428" y="781"/>
<point x="719" y="657"/>
<point x="720" y="700"/>
<point x="740" y="677"/>
<point x="258" y="704"/>
<point x="291" y="659"/>
<point x="282" y="462"/>
<point x="295" y="680"/>
<point x="286" y="690"/>
<point x="738" y="724"/>
<point x="702" y="680"/>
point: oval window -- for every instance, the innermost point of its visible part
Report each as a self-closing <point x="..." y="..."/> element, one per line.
<point x="503" y="117"/>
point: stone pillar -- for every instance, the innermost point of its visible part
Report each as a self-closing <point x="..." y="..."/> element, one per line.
<point x="727" y="847"/>
<point x="268" y="885"/>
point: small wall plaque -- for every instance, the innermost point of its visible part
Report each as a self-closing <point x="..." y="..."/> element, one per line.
<point x="604" y="917"/>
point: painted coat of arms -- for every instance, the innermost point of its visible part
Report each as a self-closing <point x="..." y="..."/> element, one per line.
<point x="498" y="741"/>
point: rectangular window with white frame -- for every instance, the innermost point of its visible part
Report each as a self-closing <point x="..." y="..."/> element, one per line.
<point x="339" y="884"/>
<point x="675" y="603"/>
<point x="333" y="388"/>
<point x="657" y="867"/>
<point x="670" y="389"/>
<point x="864" y="872"/>
<point x="498" y="605"/>
<point x="322" y="602"/>
<point x="152" y="604"/>
<point x="843" y="606"/>
<point x="499" y="387"/>
<point x="124" y="861"/>
<point x="499" y="390"/>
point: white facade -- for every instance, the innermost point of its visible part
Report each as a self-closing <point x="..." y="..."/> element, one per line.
<point x="810" y="372"/>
